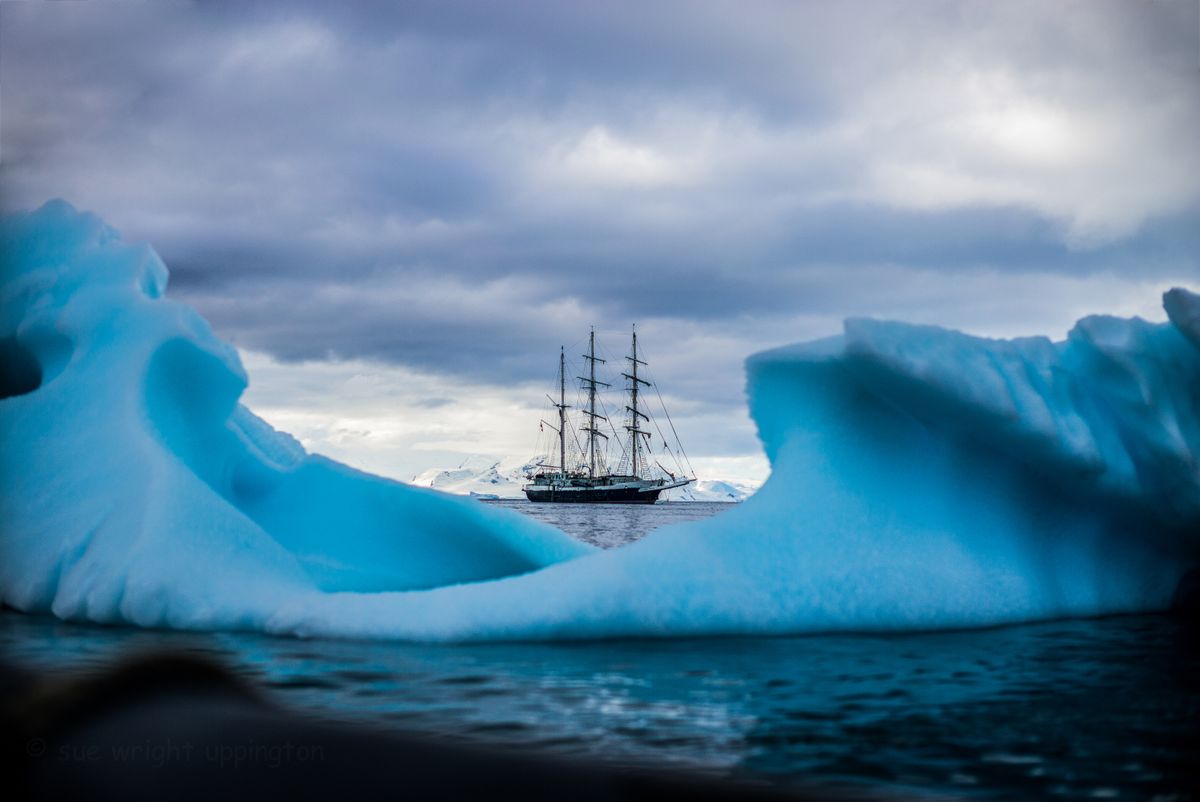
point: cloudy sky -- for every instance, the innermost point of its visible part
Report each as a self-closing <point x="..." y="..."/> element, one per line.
<point x="399" y="211"/>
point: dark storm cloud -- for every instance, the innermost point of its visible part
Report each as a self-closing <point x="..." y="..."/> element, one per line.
<point x="459" y="187"/>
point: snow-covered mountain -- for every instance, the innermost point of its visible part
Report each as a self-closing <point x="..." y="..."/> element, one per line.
<point x="713" y="490"/>
<point x="487" y="477"/>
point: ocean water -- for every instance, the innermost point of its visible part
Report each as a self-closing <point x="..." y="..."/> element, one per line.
<point x="612" y="525"/>
<point x="1085" y="709"/>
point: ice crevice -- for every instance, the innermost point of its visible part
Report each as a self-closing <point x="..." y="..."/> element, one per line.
<point x="921" y="478"/>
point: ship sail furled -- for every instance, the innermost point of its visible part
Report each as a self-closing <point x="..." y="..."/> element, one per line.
<point x="582" y="473"/>
<point x="635" y="415"/>
<point x="592" y="431"/>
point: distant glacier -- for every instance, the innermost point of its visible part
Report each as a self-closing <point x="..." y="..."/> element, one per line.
<point x="921" y="479"/>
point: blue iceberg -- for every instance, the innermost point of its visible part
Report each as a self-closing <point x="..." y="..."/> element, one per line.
<point x="921" y="478"/>
<point x="136" y="488"/>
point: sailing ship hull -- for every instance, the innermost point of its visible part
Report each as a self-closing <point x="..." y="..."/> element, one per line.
<point x="589" y="481"/>
<point x="592" y="495"/>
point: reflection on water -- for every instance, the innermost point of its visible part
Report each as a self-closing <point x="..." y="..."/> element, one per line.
<point x="1078" y="709"/>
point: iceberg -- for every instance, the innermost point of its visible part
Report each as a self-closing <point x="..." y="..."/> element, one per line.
<point x="136" y="488"/>
<point x="920" y="478"/>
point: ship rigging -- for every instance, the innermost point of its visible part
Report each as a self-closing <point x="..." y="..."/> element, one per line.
<point x="582" y="475"/>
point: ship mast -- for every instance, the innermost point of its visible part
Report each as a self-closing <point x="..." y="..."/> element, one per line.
<point x="634" y="382"/>
<point x="592" y="431"/>
<point x="562" y="411"/>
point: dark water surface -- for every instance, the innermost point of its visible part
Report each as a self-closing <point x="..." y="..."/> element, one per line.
<point x="1098" y="709"/>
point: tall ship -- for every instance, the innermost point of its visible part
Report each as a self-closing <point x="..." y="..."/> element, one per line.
<point x="582" y="474"/>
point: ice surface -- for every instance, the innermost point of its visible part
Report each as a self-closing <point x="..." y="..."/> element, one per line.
<point x="921" y="478"/>
<point x="135" y="488"/>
